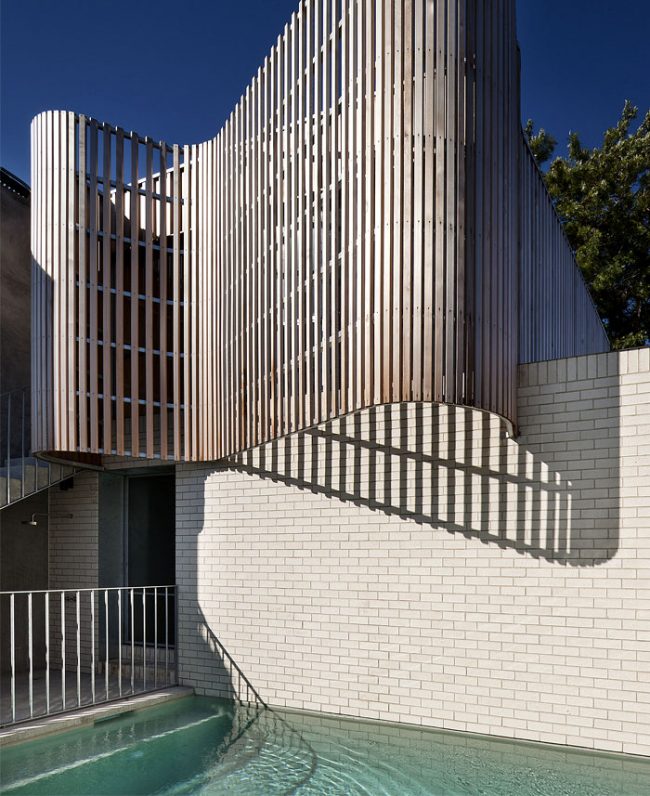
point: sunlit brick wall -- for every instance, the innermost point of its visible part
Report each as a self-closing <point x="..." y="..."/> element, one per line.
<point x="412" y="563"/>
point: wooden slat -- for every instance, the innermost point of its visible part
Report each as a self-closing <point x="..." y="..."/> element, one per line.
<point x="134" y="208"/>
<point x="107" y="336"/>
<point x="343" y="267"/>
<point x="378" y="191"/>
<point x="193" y="297"/>
<point x="419" y="263"/>
<point x="200" y="290"/>
<point x="435" y="216"/>
<point x="148" y="302"/>
<point x="388" y="209"/>
<point x="187" y="308"/>
<point x="70" y="286"/>
<point x="452" y="267"/>
<point x="82" y="278"/>
<point x="119" y="292"/>
<point x="307" y="126"/>
<point x="397" y="139"/>
<point x="458" y="299"/>
<point x="407" y="203"/>
<point x="257" y="320"/>
<point x="325" y="243"/>
<point x="58" y="270"/>
<point x="162" y="211"/>
<point x="220" y="289"/>
<point x="292" y="265"/>
<point x="176" y="308"/>
<point x="300" y="319"/>
<point x="358" y="77"/>
<point x="368" y="203"/>
<point x="95" y="442"/>
<point x="283" y="238"/>
<point x="332" y="309"/>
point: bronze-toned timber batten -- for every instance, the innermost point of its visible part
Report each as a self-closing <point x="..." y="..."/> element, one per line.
<point x="368" y="227"/>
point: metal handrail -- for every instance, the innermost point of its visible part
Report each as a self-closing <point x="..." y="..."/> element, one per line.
<point x="103" y="588"/>
<point x="15" y="451"/>
<point x="92" y="634"/>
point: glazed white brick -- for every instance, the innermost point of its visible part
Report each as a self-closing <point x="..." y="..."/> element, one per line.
<point x="73" y="540"/>
<point x="421" y="568"/>
<point x="73" y="546"/>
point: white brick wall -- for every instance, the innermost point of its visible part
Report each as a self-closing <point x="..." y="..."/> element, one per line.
<point x="411" y="563"/>
<point x="73" y="546"/>
<point x="73" y="542"/>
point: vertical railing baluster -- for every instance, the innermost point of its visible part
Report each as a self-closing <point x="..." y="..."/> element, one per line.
<point x="9" y="448"/>
<point x="49" y="638"/>
<point x="30" y="653"/>
<point x="93" y="664"/>
<point x="144" y="640"/>
<point x="155" y="636"/>
<point x="132" y="644"/>
<point x="78" y="616"/>
<point x="63" y="649"/>
<point x="175" y="599"/>
<point x="12" y="630"/>
<point x="47" y="652"/>
<point x="166" y="636"/>
<point x="106" y="641"/>
<point x="22" y="447"/>
<point x="119" y="641"/>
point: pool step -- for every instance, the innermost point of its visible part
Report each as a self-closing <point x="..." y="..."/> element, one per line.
<point x="143" y="663"/>
<point x="148" y="653"/>
<point x="140" y="673"/>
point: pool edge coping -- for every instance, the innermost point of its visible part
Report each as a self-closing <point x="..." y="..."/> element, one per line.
<point x="550" y="745"/>
<point x="88" y="715"/>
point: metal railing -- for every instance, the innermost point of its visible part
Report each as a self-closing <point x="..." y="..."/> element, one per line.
<point x="21" y="474"/>
<point x="69" y="648"/>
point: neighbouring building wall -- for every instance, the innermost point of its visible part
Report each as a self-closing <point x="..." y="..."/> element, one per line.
<point x="15" y="279"/>
<point x="412" y="563"/>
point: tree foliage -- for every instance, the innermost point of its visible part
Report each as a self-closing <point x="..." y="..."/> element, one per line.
<point x="602" y="196"/>
<point x="542" y="144"/>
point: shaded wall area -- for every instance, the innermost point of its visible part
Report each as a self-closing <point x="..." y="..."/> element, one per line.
<point x="23" y="565"/>
<point x="15" y="283"/>
<point x="413" y="563"/>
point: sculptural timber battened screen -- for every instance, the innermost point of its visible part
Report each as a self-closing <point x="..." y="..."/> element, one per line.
<point x="368" y="227"/>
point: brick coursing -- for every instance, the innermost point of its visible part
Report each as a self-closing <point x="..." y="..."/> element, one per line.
<point x="412" y="563"/>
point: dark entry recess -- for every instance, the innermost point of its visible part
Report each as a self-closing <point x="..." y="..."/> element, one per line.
<point x="151" y="554"/>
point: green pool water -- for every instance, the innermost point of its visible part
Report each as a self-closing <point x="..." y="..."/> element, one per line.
<point x="210" y="746"/>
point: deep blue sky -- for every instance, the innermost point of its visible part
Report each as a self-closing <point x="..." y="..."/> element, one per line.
<point x="174" y="70"/>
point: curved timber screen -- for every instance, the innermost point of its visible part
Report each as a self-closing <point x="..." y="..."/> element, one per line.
<point x="349" y="238"/>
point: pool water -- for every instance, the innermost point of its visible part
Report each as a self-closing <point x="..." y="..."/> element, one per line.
<point x="210" y="746"/>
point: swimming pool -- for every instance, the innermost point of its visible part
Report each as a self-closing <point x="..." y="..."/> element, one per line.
<point x="210" y="746"/>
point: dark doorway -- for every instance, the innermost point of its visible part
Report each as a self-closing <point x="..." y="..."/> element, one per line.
<point x="151" y="554"/>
